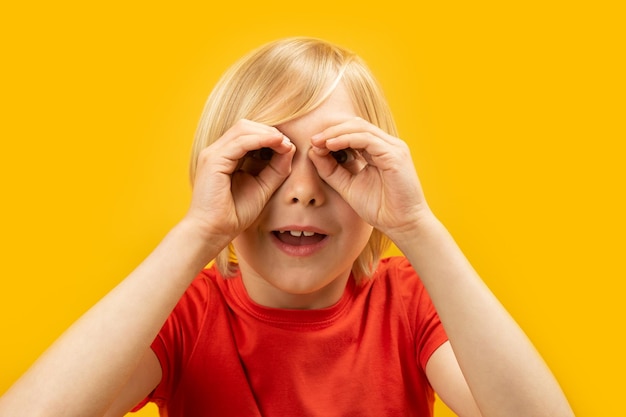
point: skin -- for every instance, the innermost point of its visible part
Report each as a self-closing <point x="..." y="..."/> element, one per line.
<point x="488" y="368"/>
<point x="304" y="202"/>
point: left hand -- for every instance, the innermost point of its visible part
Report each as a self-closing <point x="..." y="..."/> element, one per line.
<point x="378" y="180"/>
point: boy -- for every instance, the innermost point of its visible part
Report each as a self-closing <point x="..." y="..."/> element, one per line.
<point x="299" y="182"/>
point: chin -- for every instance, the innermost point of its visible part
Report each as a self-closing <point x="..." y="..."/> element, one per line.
<point x="307" y="281"/>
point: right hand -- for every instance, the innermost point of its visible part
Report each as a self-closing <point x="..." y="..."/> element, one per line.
<point x="225" y="199"/>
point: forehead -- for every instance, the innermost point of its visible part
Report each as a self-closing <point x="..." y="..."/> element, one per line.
<point x="337" y="108"/>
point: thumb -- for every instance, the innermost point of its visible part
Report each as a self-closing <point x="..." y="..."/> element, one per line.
<point x="330" y="171"/>
<point x="275" y="173"/>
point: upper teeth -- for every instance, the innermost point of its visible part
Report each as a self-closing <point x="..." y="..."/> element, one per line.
<point x="299" y="233"/>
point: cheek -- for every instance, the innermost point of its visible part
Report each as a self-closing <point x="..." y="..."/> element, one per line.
<point x="248" y="244"/>
<point x="344" y="213"/>
<point x="357" y="231"/>
<point x="361" y="235"/>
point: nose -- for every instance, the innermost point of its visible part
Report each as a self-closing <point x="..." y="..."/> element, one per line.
<point x="303" y="185"/>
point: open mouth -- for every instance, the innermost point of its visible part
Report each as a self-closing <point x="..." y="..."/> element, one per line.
<point x="298" y="237"/>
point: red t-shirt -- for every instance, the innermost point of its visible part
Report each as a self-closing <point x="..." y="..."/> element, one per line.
<point x="224" y="355"/>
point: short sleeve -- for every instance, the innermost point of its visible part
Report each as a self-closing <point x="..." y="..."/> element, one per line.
<point x="428" y="331"/>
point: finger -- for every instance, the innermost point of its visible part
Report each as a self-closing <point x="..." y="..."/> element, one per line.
<point x="366" y="142"/>
<point x="373" y="142"/>
<point x="353" y="125"/>
<point x="224" y="157"/>
<point x="279" y="168"/>
<point x="249" y="135"/>
<point x="229" y="154"/>
<point x="284" y="146"/>
<point x="244" y="126"/>
<point x="321" y="151"/>
<point x="256" y="190"/>
<point x="331" y="172"/>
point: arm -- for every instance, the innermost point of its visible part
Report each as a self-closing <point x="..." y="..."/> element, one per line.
<point x="503" y="370"/>
<point x="505" y="374"/>
<point x="84" y="371"/>
<point x="446" y="378"/>
<point x="144" y="380"/>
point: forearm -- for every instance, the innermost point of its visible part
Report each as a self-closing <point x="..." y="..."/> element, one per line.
<point x="82" y="372"/>
<point x="506" y="375"/>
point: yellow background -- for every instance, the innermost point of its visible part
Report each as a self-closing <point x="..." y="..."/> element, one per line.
<point x="514" y="111"/>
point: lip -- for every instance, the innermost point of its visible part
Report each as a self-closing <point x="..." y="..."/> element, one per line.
<point x="302" y="228"/>
<point x="299" y="250"/>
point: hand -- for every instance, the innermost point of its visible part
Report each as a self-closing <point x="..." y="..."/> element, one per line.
<point x="373" y="171"/>
<point x="226" y="199"/>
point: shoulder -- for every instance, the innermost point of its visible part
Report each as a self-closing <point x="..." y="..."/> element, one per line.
<point x="186" y="322"/>
<point x="398" y="280"/>
<point x="398" y="275"/>
<point x="394" y="265"/>
<point x="197" y="298"/>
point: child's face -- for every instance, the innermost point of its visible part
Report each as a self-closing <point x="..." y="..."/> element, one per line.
<point x="286" y="271"/>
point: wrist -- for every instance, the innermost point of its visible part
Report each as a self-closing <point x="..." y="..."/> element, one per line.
<point x="198" y="237"/>
<point x="422" y="224"/>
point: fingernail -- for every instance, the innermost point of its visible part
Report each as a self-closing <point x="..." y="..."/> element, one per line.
<point x="319" y="151"/>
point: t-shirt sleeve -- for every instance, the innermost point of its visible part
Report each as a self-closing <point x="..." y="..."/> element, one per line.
<point x="177" y="339"/>
<point x="428" y="331"/>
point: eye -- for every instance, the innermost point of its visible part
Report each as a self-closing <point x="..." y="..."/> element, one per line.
<point x="342" y="156"/>
<point x="350" y="159"/>
<point x="263" y="154"/>
<point x="255" y="161"/>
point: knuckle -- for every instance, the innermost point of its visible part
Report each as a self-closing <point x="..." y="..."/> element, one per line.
<point x="360" y="122"/>
<point x="204" y="155"/>
<point x="241" y="124"/>
<point x="404" y="146"/>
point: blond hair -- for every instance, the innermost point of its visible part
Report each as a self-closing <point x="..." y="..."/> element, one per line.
<point x="280" y="82"/>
